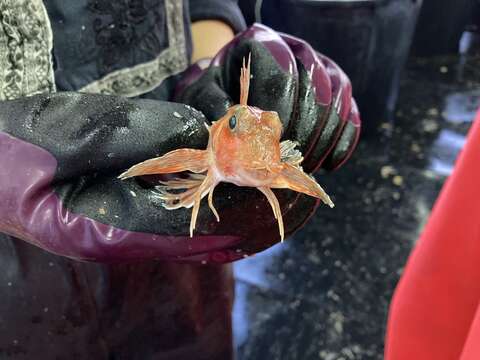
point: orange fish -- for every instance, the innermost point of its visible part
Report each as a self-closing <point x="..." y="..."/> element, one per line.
<point x="244" y="148"/>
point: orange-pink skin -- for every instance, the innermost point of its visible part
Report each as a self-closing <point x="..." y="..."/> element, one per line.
<point x="249" y="154"/>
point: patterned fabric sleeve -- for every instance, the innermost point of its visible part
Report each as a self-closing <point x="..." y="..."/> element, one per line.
<point x="25" y="49"/>
<point x="225" y="10"/>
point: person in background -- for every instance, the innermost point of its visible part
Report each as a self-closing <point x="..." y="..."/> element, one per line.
<point x="87" y="90"/>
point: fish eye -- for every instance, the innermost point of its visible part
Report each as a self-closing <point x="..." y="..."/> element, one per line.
<point x="232" y="122"/>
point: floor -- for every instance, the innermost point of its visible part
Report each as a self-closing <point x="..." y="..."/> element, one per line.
<point x="324" y="294"/>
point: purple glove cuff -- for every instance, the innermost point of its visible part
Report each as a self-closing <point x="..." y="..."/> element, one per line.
<point x="32" y="211"/>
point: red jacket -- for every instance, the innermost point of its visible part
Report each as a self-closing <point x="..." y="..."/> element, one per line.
<point x="435" y="312"/>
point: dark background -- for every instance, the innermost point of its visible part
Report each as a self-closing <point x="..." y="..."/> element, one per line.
<point x="324" y="294"/>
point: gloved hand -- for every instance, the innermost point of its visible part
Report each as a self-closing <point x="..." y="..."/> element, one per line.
<point x="312" y="95"/>
<point x="313" y="98"/>
<point x="61" y="154"/>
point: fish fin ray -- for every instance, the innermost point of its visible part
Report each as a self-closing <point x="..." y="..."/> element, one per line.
<point x="245" y="80"/>
<point x="203" y="190"/>
<point x="277" y="211"/>
<point x="294" y="178"/>
<point x="174" y="161"/>
<point x="210" y="203"/>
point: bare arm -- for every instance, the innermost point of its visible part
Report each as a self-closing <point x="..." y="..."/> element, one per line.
<point x="208" y="37"/>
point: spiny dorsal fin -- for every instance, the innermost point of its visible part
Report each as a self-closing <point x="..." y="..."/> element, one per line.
<point x="245" y="81"/>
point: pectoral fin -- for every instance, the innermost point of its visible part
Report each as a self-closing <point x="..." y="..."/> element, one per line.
<point x="196" y="187"/>
<point x="289" y="154"/>
<point x="203" y="189"/>
<point x="277" y="211"/>
<point x="292" y="177"/>
<point x="175" y="161"/>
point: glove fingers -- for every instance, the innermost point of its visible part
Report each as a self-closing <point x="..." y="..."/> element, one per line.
<point x="347" y="141"/>
<point x="314" y="98"/>
<point x="324" y="105"/>
<point x="339" y="111"/>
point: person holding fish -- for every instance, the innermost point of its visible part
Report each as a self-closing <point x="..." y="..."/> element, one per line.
<point x="90" y="88"/>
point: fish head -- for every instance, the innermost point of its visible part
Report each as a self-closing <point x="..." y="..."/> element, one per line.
<point x="246" y="142"/>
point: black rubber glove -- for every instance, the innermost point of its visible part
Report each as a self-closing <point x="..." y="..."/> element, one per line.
<point x="313" y="98"/>
<point x="60" y="157"/>
<point x="61" y="154"/>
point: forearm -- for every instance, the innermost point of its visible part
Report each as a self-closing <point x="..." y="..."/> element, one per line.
<point x="214" y="23"/>
<point x="209" y="36"/>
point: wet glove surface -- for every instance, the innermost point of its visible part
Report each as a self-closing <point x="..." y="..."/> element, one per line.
<point x="61" y="155"/>
<point x="311" y="94"/>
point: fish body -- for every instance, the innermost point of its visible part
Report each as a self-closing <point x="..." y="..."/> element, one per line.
<point x="245" y="149"/>
<point x="244" y="146"/>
